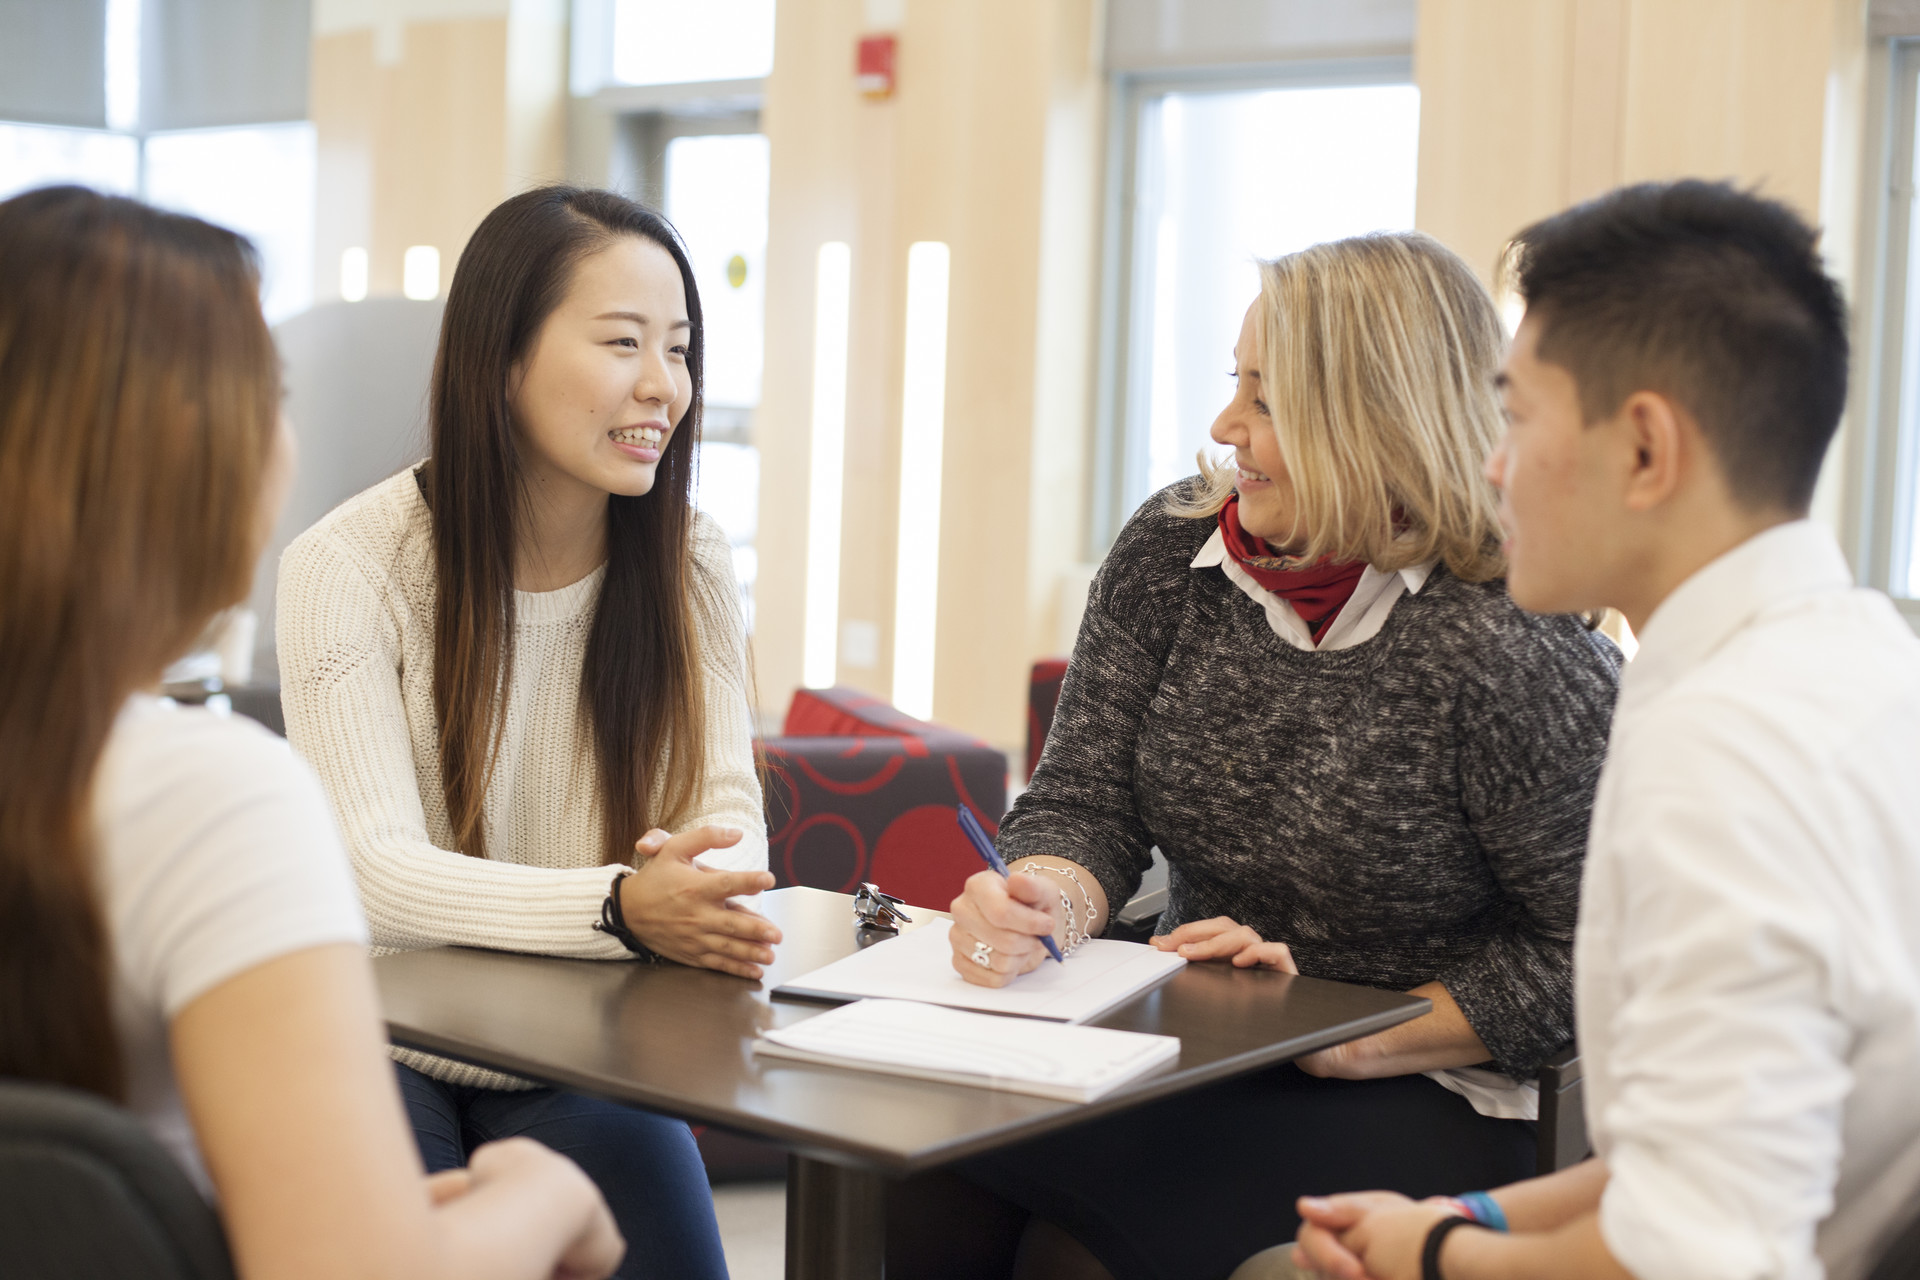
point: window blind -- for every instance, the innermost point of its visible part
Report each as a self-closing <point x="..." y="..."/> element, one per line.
<point x="1893" y="18"/>
<point x="1167" y="35"/>
<point x="53" y="67"/>
<point x="207" y="63"/>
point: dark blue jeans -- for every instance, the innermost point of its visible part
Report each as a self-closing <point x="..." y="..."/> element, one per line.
<point x="645" y="1165"/>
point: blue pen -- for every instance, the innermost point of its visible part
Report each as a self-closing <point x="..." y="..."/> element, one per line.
<point x="984" y="847"/>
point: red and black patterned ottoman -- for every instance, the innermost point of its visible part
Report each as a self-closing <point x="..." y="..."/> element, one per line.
<point x="857" y="790"/>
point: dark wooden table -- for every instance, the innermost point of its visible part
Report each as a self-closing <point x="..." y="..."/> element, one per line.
<point x="680" y="1041"/>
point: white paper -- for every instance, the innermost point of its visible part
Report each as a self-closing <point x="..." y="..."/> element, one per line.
<point x="919" y="966"/>
<point x="902" y="1037"/>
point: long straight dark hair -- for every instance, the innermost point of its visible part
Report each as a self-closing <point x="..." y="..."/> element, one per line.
<point x="640" y="687"/>
<point x="138" y="395"/>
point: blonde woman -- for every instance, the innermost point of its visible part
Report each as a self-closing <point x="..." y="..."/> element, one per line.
<point x="1300" y="676"/>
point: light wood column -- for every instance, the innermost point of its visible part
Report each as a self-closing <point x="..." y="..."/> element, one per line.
<point x="427" y="118"/>
<point x="991" y="144"/>
<point x="1527" y="106"/>
<point x="1530" y="105"/>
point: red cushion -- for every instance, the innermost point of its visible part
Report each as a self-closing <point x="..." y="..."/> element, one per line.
<point x="1043" y="695"/>
<point x="841" y="712"/>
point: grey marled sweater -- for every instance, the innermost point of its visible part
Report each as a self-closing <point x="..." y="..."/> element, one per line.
<point x="1410" y="809"/>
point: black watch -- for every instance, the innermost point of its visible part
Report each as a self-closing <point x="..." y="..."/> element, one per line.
<point x="1437" y="1236"/>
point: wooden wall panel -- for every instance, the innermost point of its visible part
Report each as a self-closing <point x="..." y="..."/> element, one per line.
<point x="1729" y="89"/>
<point x="828" y="150"/>
<point x="1528" y="106"/>
<point x="412" y="150"/>
<point x="991" y="144"/>
<point x="1494" y="112"/>
<point x="1766" y="93"/>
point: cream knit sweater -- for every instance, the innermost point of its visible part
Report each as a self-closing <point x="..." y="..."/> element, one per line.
<point x="356" y="604"/>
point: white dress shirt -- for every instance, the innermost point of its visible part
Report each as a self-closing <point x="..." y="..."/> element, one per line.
<point x="1748" y="958"/>
<point x="1358" y="621"/>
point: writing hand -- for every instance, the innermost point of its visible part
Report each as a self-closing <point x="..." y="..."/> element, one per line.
<point x="1010" y="915"/>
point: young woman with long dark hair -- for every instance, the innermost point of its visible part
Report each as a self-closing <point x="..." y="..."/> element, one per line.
<point x="513" y="662"/>
<point x="178" y="929"/>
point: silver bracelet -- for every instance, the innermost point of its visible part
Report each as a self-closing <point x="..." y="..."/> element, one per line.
<point x="1093" y="915"/>
<point x="1075" y="935"/>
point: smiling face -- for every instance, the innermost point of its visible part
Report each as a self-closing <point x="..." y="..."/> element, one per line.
<point x="1266" y="489"/>
<point x="606" y="383"/>
<point x="1561" y="482"/>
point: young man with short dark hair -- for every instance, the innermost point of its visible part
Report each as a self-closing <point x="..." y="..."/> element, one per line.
<point x="1747" y="964"/>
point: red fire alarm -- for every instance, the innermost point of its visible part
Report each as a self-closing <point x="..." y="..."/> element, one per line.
<point x="873" y="70"/>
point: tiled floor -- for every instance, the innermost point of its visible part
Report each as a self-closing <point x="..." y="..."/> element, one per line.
<point x="753" y="1227"/>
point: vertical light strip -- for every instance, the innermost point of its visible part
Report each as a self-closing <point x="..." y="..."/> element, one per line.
<point x="353" y="274"/>
<point x="420" y="273"/>
<point x="123" y="65"/>
<point x="916" y="589"/>
<point x="832" y="293"/>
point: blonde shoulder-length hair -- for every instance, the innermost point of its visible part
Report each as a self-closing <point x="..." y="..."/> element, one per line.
<point x="1377" y="362"/>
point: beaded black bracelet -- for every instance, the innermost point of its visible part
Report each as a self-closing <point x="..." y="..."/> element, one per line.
<point x="1437" y="1236"/>
<point x="614" y="923"/>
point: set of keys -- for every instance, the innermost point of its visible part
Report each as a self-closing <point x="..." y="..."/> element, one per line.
<point x="873" y="909"/>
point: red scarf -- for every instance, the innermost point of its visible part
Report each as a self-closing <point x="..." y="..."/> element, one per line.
<point x="1316" y="591"/>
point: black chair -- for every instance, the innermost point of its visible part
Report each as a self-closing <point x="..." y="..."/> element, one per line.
<point x="1901" y="1261"/>
<point x="87" y="1194"/>
<point x="1562" y="1137"/>
<point x="255" y="701"/>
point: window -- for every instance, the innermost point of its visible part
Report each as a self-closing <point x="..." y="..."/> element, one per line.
<point x="716" y="196"/>
<point x="672" y="42"/>
<point x="626" y="44"/>
<point x="34" y="155"/>
<point x="1884" y="498"/>
<point x="679" y="88"/>
<point x="257" y="181"/>
<point x="1213" y="177"/>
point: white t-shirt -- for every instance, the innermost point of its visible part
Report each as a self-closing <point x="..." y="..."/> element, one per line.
<point x="217" y="852"/>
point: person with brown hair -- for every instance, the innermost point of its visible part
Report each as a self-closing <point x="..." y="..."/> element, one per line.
<point x="1300" y="678"/>
<point x="514" y="661"/>
<point x="178" y="930"/>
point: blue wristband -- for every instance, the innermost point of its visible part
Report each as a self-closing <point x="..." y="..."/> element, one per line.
<point x="1485" y="1209"/>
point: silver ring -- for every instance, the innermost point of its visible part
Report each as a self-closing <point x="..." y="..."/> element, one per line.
<point x="982" y="955"/>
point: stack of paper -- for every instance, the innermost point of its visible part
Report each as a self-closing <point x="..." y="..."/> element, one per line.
<point x="901" y="1037"/>
<point x="919" y="966"/>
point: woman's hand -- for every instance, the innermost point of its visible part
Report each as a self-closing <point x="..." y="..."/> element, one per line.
<point x="680" y="909"/>
<point x="596" y="1246"/>
<point x="1010" y="915"/>
<point x="1222" y="939"/>
<point x="1436" y="1041"/>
